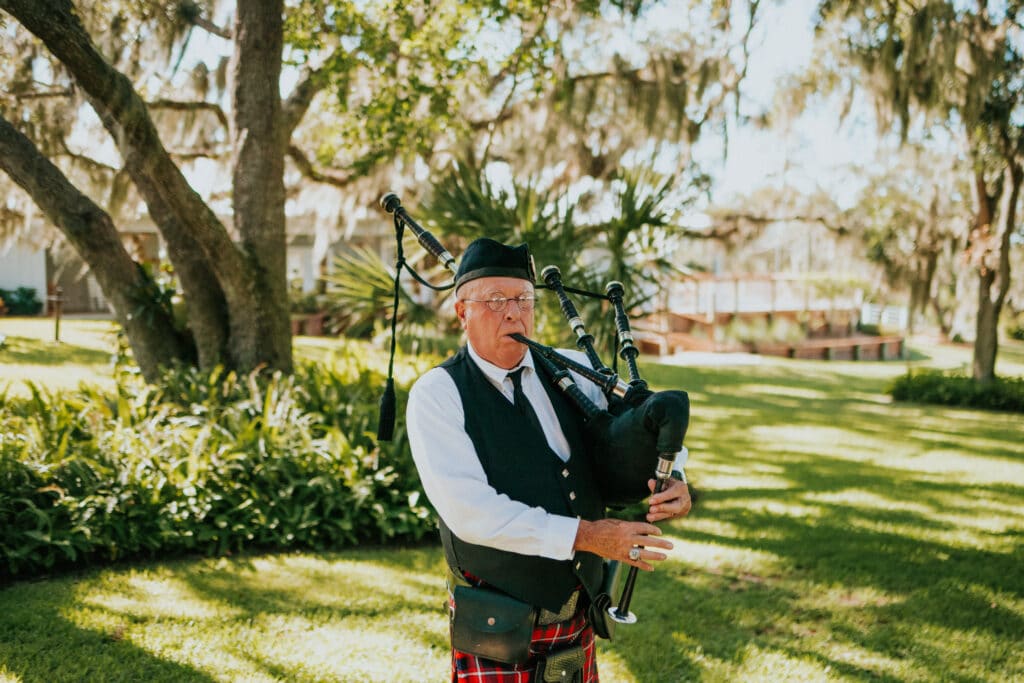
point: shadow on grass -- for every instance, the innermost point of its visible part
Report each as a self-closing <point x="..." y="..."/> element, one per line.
<point x="1012" y="350"/>
<point x="794" y="396"/>
<point x="272" y="617"/>
<point x="369" y="590"/>
<point x="728" y="612"/>
<point x="24" y="351"/>
<point x="686" y="615"/>
<point x="38" y="643"/>
<point x="894" y="587"/>
<point x="846" y="498"/>
<point x="373" y="584"/>
<point x="914" y="355"/>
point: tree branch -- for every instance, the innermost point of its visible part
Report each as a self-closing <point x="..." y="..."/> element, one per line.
<point x="191" y="155"/>
<point x="40" y="94"/>
<point x="713" y="234"/>
<point x="179" y="210"/>
<point x="178" y="105"/>
<point x="83" y="159"/>
<point x="328" y="176"/>
<point x="210" y="27"/>
<point x="513" y="67"/>
<point x="513" y="64"/>
<point x="761" y="220"/>
<point x="311" y="81"/>
<point x="94" y="236"/>
<point x="485" y="124"/>
<point x="198" y="243"/>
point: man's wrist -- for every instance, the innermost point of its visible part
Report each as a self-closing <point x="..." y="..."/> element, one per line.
<point x="581" y="541"/>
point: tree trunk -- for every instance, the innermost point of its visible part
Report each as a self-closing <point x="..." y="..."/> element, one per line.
<point x="944" y="319"/>
<point x="236" y="307"/>
<point x="260" y="140"/>
<point x="986" y="333"/>
<point x="924" y="264"/>
<point x="182" y="217"/>
<point x="150" y="328"/>
<point x="994" y="278"/>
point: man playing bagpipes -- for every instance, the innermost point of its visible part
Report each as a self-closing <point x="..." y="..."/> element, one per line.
<point x="521" y="484"/>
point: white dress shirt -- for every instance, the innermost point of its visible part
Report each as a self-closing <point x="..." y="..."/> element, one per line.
<point x="453" y="478"/>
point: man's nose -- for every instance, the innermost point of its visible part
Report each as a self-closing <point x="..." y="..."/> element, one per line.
<point x="510" y="305"/>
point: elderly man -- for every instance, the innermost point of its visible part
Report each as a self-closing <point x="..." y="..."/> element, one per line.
<point x="502" y="458"/>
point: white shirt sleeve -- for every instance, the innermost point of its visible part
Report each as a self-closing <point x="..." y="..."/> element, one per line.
<point x="681" y="457"/>
<point x="455" y="482"/>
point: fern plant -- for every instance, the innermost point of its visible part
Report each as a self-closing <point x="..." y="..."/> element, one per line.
<point x="202" y="462"/>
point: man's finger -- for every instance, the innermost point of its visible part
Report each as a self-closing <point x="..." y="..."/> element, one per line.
<point x="675" y="490"/>
<point x="645" y="529"/>
<point x="651" y="542"/>
<point x="645" y="559"/>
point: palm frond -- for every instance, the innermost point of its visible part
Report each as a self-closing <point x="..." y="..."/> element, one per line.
<point x="360" y="294"/>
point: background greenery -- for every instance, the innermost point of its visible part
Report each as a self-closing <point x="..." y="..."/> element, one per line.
<point x="840" y="537"/>
<point x="958" y="389"/>
<point x="20" y="301"/>
<point x="205" y="462"/>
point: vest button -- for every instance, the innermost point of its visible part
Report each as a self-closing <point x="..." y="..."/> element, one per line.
<point x="565" y="473"/>
<point x="490" y="621"/>
<point x="572" y="495"/>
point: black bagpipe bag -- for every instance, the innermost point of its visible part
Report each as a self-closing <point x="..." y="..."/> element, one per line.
<point x="626" y="445"/>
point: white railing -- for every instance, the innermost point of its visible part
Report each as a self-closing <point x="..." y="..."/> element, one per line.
<point x="755" y="294"/>
<point x="895" y="317"/>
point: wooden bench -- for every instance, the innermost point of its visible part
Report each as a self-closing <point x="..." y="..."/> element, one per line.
<point x="844" y="348"/>
<point x="667" y="343"/>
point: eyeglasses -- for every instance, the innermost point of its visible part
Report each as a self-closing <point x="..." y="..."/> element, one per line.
<point x="499" y="304"/>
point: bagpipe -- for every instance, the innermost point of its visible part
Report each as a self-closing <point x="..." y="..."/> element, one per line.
<point x="639" y="435"/>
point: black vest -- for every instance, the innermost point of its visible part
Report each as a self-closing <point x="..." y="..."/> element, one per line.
<point x="519" y="463"/>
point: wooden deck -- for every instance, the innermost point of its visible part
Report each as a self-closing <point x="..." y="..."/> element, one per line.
<point x="857" y="347"/>
<point x="861" y="347"/>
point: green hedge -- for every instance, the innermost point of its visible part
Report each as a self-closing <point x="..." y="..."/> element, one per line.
<point x="1015" y="328"/>
<point x="20" y="301"/>
<point x="957" y="389"/>
<point x="208" y="463"/>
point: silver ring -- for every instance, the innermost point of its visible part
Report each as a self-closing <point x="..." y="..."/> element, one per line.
<point x="634" y="554"/>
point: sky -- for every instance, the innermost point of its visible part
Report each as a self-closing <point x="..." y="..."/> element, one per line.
<point x="817" y="151"/>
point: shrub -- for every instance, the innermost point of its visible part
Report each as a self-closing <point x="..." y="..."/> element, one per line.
<point x="745" y="331"/>
<point x="786" y="331"/>
<point x="202" y="462"/>
<point x="1015" y="329"/>
<point x="304" y="302"/>
<point x="957" y="389"/>
<point x="21" y="301"/>
<point x="761" y="331"/>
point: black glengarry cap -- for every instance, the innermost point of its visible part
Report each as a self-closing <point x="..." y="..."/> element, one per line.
<point x="485" y="257"/>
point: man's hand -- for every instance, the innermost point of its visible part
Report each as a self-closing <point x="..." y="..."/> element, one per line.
<point x="673" y="502"/>
<point x="615" y="538"/>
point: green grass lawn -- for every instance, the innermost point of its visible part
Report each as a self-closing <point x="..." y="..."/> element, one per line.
<point x="838" y="537"/>
<point x="85" y="353"/>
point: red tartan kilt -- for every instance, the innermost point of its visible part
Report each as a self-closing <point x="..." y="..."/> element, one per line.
<point x="467" y="668"/>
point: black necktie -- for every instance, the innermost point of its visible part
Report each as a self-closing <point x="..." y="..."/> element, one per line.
<point x="521" y="402"/>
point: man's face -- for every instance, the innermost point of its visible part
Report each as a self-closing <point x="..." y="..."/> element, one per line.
<point x="488" y="330"/>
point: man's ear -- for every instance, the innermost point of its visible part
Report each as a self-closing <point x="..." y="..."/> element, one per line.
<point x="460" y="311"/>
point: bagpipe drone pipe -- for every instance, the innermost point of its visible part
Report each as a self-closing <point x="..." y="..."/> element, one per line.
<point x="636" y="439"/>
